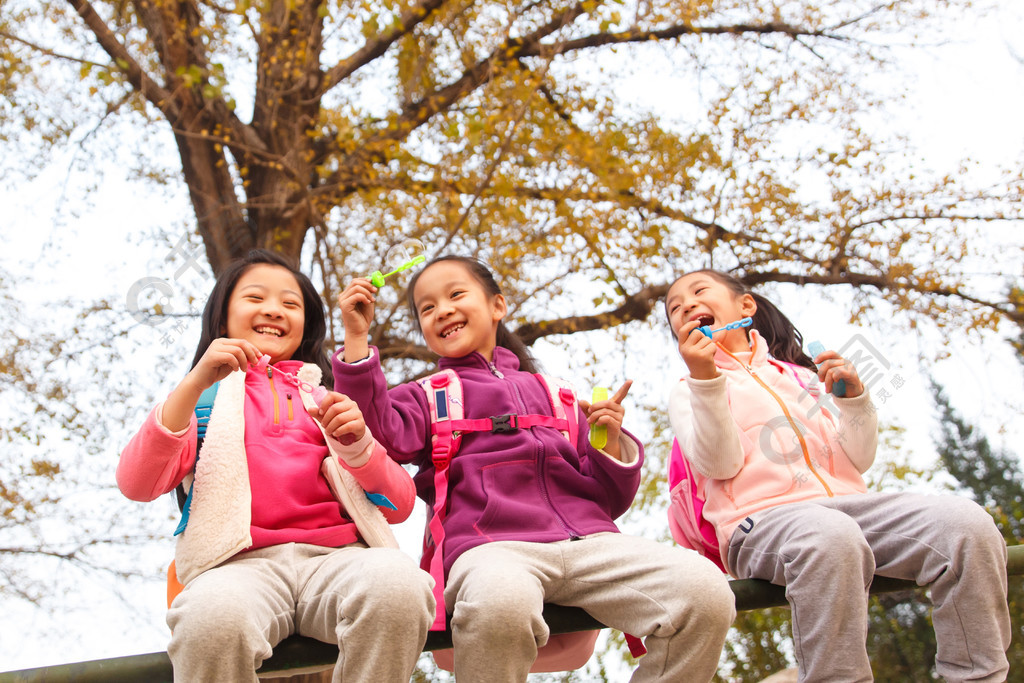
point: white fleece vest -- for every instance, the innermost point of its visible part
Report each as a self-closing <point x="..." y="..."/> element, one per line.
<point x="221" y="512"/>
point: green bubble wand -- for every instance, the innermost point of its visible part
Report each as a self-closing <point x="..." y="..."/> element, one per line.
<point x="377" y="278"/>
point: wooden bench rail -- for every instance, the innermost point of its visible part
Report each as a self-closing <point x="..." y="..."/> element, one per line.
<point x="296" y="653"/>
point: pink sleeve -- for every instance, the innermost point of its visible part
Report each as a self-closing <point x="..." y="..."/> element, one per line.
<point x="156" y="460"/>
<point x="383" y="475"/>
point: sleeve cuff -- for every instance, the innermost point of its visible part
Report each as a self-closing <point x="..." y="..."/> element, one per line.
<point x="159" y="415"/>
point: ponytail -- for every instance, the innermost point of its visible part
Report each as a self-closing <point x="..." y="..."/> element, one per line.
<point x="485" y="277"/>
<point x="784" y="341"/>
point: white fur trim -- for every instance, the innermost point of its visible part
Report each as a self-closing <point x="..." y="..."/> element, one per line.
<point x="221" y="512"/>
<point x="373" y="528"/>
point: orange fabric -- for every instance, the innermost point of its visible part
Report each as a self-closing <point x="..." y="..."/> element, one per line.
<point x="173" y="585"/>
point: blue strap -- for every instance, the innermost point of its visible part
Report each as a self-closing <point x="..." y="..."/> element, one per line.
<point x="381" y="501"/>
<point x="203" y="409"/>
<point x="184" y="510"/>
<point x="204" y="406"/>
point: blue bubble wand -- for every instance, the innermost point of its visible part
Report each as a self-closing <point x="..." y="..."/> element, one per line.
<point x="707" y="331"/>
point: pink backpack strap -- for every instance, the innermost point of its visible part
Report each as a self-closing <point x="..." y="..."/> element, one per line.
<point x="564" y="406"/>
<point x="444" y="396"/>
<point x="797" y="371"/>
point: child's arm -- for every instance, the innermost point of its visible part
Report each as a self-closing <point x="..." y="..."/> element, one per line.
<point x="351" y="442"/>
<point x="701" y="420"/>
<point x="399" y="417"/>
<point x="858" y="421"/>
<point x="357" y="303"/>
<point x="223" y="357"/>
<point x="858" y="430"/>
<point x="156" y="459"/>
<point x="609" y="413"/>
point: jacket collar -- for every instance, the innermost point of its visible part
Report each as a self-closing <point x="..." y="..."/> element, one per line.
<point x="757" y="356"/>
<point x="504" y="360"/>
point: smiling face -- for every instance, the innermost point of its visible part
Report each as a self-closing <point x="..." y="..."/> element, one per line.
<point x="700" y="296"/>
<point x="456" y="314"/>
<point x="266" y="308"/>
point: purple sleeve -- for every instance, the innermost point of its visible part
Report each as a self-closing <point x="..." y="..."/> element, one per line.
<point x="398" y="418"/>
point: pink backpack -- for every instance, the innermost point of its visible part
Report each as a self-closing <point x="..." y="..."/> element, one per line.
<point x="563" y="652"/>
<point x="686" y="508"/>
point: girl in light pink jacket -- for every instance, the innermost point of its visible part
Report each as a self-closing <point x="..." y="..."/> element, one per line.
<point x="783" y="487"/>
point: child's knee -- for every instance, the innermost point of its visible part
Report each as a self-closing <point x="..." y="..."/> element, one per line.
<point x="225" y="623"/>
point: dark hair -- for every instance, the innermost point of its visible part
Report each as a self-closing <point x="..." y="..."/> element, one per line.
<point x="314" y="330"/>
<point x="485" y="277"/>
<point x="783" y="339"/>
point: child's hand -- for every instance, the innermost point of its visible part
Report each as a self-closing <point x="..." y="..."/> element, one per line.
<point x="357" y="303"/>
<point x="223" y="357"/>
<point x="609" y="413"/>
<point x="697" y="350"/>
<point x="832" y="367"/>
<point x="341" y="418"/>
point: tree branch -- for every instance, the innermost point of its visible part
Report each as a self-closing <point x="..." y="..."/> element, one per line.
<point x="408" y="20"/>
<point x="140" y="80"/>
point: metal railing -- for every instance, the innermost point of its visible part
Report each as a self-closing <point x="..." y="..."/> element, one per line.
<point x="297" y="653"/>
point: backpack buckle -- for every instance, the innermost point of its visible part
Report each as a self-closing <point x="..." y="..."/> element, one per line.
<point x="504" y="423"/>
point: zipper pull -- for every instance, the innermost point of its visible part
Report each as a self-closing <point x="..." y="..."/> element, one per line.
<point x="495" y="371"/>
<point x="270" y="372"/>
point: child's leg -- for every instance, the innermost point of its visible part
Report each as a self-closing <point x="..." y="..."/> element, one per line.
<point x="226" y="621"/>
<point x="822" y="559"/>
<point x="951" y="544"/>
<point x="674" y="598"/>
<point x="375" y="603"/>
<point x="498" y="597"/>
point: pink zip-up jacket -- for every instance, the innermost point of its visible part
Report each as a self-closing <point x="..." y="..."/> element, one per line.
<point x="734" y="432"/>
<point x="262" y="477"/>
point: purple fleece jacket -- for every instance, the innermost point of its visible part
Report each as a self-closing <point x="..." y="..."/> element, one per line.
<point x="525" y="485"/>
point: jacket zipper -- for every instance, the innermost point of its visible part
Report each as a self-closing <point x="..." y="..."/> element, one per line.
<point x="542" y="481"/>
<point x="789" y="417"/>
<point x="273" y="392"/>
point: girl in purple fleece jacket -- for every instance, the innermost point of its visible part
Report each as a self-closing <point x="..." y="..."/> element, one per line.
<point x="530" y="516"/>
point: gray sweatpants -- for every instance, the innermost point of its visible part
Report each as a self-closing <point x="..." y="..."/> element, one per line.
<point x="675" y="598"/>
<point x="826" y="551"/>
<point x="375" y="603"/>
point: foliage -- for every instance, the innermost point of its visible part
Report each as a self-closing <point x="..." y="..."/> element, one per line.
<point x="494" y="128"/>
<point x="590" y="151"/>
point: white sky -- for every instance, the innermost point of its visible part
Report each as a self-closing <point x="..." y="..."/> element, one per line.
<point x="969" y="99"/>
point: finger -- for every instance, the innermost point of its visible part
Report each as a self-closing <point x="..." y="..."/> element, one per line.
<point x="687" y="328"/>
<point x="621" y="392"/>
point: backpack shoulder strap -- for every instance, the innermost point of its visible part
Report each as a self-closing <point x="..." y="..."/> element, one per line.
<point x="798" y="373"/>
<point x="444" y="399"/>
<point x="564" y="405"/>
<point x="204" y="407"/>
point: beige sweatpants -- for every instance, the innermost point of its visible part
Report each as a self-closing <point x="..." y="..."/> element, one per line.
<point x="674" y="598"/>
<point x="374" y="603"/>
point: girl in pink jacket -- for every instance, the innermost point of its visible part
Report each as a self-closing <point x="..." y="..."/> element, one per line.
<point x="278" y="518"/>
<point x="783" y="487"/>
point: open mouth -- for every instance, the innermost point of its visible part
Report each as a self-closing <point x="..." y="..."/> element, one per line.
<point x="452" y="329"/>
<point x="272" y="331"/>
<point x="705" y="320"/>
